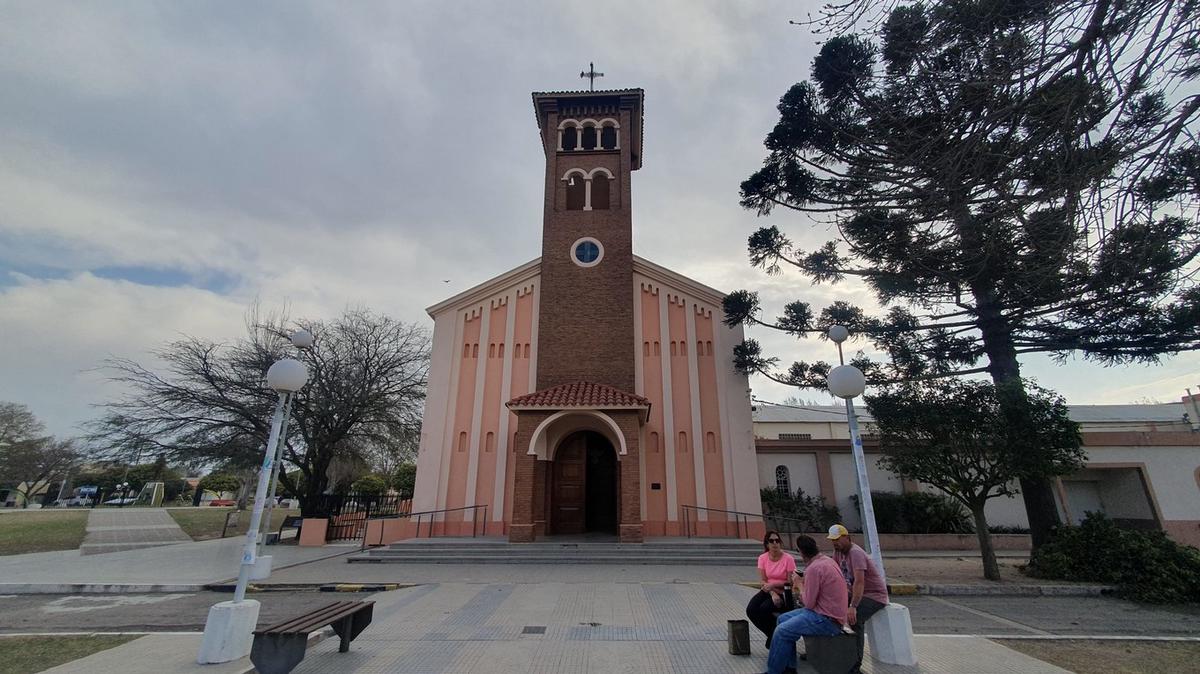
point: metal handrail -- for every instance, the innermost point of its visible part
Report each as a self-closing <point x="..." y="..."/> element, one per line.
<point x="741" y="518"/>
<point x="421" y="515"/>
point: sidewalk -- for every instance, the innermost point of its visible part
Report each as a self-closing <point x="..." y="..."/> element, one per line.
<point x="178" y="567"/>
<point x="117" y="529"/>
<point x="556" y="627"/>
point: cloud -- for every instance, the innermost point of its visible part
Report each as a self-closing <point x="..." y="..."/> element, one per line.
<point x="164" y="165"/>
<point x="57" y="332"/>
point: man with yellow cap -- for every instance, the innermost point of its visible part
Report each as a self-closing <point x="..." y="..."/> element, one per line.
<point x="868" y="592"/>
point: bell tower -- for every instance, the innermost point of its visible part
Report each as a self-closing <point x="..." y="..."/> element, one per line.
<point x="592" y="142"/>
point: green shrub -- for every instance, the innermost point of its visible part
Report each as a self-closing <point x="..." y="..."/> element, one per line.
<point x="372" y="485"/>
<point x="918" y="513"/>
<point x="1144" y="565"/>
<point x="405" y="479"/>
<point x="220" y="482"/>
<point x="797" y="512"/>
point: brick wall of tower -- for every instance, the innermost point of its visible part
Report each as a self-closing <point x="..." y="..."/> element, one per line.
<point x="585" y="328"/>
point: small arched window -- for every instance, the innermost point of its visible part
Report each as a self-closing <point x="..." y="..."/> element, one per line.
<point x="489" y="443"/>
<point x="600" y="192"/>
<point x="653" y="443"/>
<point x="570" y="139"/>
<point x="462" y="441"/>
<point x="682" y="447"/>
<point x="576" y="192"/>
<point x="783" y="481"/>
<point x="589" y="138"/>
<point x="608" y="138"/>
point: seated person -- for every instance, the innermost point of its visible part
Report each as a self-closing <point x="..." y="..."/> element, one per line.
<point x="775" y="568"/>
<point x="823" y="593"/>
<point x="868" y="592"/>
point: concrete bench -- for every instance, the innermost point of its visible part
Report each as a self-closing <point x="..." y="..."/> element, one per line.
<point x="279" y="648"/>
<point x="832" y="655"/>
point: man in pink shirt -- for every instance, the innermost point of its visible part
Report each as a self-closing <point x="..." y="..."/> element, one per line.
<point x="868" y="592"/>
<point x="823" y="591"/>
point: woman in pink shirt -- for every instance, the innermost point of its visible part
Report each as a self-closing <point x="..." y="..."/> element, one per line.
<point x="775" y="568"/>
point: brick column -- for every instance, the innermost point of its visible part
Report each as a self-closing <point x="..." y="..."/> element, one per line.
<point x="520" y="529"/>
<point x="541" y="482"/>
<point x="630" y="513"/>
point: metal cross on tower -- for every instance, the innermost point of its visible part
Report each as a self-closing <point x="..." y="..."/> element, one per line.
<point x="591" y="76"/>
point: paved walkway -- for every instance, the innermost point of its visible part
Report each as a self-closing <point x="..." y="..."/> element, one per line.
<point x="561" y="627"/>
<point x="117" y="529"/>
<point x="181" y="564"/>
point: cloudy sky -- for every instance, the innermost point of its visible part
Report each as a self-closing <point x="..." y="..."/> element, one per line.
<point x="164" y="165"/>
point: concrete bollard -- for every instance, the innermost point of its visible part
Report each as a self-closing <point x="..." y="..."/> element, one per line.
<point x="739" y="637"/>
<point x="262" y="568"/>
<point x="229" y="631"/>
<point x="891" y="636"/>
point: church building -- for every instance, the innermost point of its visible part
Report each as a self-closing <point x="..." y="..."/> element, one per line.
<point x="588" y="391"/>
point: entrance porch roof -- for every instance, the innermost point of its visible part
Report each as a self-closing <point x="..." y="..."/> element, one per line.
<point x="581" y="395"/>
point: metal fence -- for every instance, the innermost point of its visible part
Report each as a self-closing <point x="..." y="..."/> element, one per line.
<point x="348" y="513"/>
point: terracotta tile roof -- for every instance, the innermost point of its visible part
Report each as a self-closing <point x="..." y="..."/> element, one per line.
<point x="579" y="394"/>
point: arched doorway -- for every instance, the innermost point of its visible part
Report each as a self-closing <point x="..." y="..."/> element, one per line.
<point x="583" y="485"/>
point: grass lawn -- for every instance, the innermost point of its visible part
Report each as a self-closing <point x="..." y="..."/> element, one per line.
<point x="1111" y="657"/>
<point x="205" y="522"/>
<point x="41" y="530"/>
<point x="22" y="655"/>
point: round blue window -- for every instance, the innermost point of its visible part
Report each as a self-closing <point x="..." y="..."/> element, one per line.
<point x="587" y="252"/>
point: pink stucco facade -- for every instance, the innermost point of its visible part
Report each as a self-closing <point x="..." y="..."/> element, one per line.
<point x="697" y="443"/>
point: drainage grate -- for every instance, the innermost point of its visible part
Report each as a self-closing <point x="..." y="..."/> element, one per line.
<point x="534" y="629"/>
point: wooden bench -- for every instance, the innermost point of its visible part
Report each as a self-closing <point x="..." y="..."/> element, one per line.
<point x="279" y="648"/>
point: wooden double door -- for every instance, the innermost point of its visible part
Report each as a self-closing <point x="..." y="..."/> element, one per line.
<point x="584" y="485"/>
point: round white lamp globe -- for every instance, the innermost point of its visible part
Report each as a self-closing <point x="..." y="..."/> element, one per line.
<point x="846" y="381"/>
<point x="287" y="375"/>
<point x="838" y="333"/>
<point x="302" y="339"/>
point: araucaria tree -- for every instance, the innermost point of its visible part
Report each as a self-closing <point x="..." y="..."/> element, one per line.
<point x="1007" y="178"/>
<point x="954" y="435"/>
<point x="210" y="405"/>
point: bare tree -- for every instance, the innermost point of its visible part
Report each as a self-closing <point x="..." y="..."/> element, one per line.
<point x="30" y="459"/>
<point x="210" y="404"/>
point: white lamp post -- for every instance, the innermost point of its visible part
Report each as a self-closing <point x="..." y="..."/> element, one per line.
<point x="230" y="624"/>
<point x="848" y="382"/>
<point x="301" y="339"/>
<point x="890" y="630"/>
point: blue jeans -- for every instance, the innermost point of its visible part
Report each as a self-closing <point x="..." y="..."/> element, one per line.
<point x="789" y="628"/>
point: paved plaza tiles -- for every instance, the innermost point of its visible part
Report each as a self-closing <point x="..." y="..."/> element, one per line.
<point x="555" y="627"/>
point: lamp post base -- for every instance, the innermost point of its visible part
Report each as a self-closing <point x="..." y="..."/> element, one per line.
<point x="228" y="632"/>
<point x="891" y="636"/>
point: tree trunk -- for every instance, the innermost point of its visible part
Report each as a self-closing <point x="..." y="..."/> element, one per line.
<point x="1040" y="506"/>
<point x="243" y="496"/>
<point x="991" y="569"/>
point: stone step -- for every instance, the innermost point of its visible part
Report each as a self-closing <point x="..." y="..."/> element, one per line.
<point x="646" y="559"/>
<point x="721" y="552"/>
